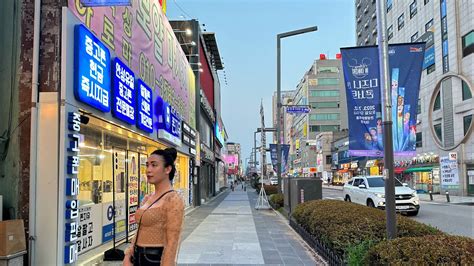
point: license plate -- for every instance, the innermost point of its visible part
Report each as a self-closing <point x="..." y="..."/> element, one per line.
<point x="403" y="207"/>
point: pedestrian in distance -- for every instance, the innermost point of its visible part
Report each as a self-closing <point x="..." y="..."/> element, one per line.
<point x="160" y="216"/>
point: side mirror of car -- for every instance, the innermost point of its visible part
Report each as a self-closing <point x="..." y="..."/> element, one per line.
<point x="405" y="184"/>
<point x="362" y="186"/>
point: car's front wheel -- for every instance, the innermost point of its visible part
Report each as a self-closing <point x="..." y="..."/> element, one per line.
<point x="413" y="213"/>
<point x="347" y="198"/>
<point x="370" y="203"/>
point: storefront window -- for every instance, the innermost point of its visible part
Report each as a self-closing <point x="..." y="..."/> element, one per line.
<point x="112" y="172"/>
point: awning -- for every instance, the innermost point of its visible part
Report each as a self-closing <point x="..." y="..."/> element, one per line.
<point x="399" y="170"/>
<point x="419" y="169"/>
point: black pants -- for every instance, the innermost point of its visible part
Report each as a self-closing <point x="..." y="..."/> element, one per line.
<point x="147" y="256"/>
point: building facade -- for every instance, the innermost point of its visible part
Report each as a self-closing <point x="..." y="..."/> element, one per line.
<point x="322" y="88"/>
<point x="446" y="106"/>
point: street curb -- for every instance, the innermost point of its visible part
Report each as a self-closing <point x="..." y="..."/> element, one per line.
<point x="318" y="258"/>
<point x="333" y="188"/>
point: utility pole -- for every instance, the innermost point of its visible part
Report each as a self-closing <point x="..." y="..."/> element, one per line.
<point x="387" y="121"/>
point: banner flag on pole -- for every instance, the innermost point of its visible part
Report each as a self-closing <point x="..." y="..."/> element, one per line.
<point x="362" y="80"/>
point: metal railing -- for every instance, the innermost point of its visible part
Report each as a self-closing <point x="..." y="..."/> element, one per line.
<point x="327" y="253"/>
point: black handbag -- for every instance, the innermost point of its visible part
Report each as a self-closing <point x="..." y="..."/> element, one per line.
<point x="145" y="256"/>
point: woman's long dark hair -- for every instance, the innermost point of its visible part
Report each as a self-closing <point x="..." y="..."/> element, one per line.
<point x="169" y="156"/>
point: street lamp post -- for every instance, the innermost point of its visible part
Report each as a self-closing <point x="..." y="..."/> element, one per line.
<point x="279" y="105"/>
<point x="390" y="211"/>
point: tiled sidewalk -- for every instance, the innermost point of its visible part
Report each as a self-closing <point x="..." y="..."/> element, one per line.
<point x="233" y="232"/>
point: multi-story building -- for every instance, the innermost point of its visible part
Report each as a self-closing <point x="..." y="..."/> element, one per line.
<point x="322" y="88"/>
<point x="366" y="22"/>
<point x="286" y="98"/>
<point x="446" y="105"/>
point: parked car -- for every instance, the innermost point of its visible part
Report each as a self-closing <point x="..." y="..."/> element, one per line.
<point x="274" y="181"/>
<point x="370" y="191"/>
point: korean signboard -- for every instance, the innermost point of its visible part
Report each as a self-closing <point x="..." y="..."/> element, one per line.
<point x="362" y="78"/>
<point x="92" y="70"/>
<point x="144" y="107"/>
<point x="124" y="99"/>
<point x="168" y="122"/>
<point x="72" y="189"/>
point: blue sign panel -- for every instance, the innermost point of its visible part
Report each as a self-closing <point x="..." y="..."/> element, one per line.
<point x="144" y="107"/>
<point x="124" y="93"/>
<point x="105" y="2"/>
<point x="429" y="57"/>
<point x="298" y="109"/>
<point x="168" y="122"/>
<point x="91" y="70"/>
<point x="361" y="74"/>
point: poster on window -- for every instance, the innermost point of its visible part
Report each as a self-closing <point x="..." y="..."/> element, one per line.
<point x="362" y="80"/>
<point x="89" y="231"/>
<point x="107" y="220"/>
<point x="133" y="174"/>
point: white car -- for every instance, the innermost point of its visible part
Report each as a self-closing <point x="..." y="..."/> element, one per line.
<point x="274" y="181"/>
<point x="370" y="191"/>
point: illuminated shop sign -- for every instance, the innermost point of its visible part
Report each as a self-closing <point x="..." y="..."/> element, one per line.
<point x="144" y="107"/>
<point x="91" y="70"/>
<point x="219" y="133"/>
<point x="168" y="123"/>
<point x="124" y="92"/>
<point x="72" y="189"/>
<point x="105" y="2"/>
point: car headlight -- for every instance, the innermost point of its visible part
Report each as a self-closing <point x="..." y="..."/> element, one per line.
<point x="414" y="194"/>
<point x="379" y="195"/>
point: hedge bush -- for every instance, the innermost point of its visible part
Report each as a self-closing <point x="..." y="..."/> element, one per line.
<point x="428" y="250"/>
<point x="277" y="200"/>
<point x="343" y="225"/>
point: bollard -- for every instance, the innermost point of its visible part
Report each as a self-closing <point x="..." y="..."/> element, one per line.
<point x="447" y="196"/>
<point x="431" y="195"/>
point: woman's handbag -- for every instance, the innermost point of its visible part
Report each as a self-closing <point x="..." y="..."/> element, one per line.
<point x="144" y="256"/>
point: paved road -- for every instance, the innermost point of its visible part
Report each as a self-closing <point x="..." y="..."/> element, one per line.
<point x="454" y="219"/>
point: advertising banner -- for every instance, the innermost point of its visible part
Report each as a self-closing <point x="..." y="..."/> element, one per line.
<point x="449" y="171"/>
<point x="89" y="231"/>
<point x="285" y="149"/>
<point x="141" y="36"/>
<point x="362" y="79"/>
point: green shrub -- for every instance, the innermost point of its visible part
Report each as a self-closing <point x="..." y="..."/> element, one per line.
<point x="427" y="250"/>
<point x="356" y="254"/>
<point x="343" y="225"/>
<point x="277" y="200"/>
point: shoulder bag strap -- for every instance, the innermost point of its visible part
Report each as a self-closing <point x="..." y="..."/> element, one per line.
<point x="140" y="222"/>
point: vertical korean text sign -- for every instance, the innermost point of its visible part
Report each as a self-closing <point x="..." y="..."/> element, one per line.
<point x="362" y="80"/>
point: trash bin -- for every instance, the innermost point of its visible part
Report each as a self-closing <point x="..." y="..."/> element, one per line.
<point x="12" y="242"/>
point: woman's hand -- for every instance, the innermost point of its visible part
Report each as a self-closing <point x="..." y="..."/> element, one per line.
<point x="127" y="261"/>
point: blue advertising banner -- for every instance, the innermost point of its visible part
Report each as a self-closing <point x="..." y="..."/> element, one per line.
<point x="168" y="122"/>
<point x="124" y="100"/>
<point x="144" y="107"/>
<point x="91" y="70"/>
<point x="93" y="3"/>
<point x="361" y="74"/>
<point x="285" y="148"/>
